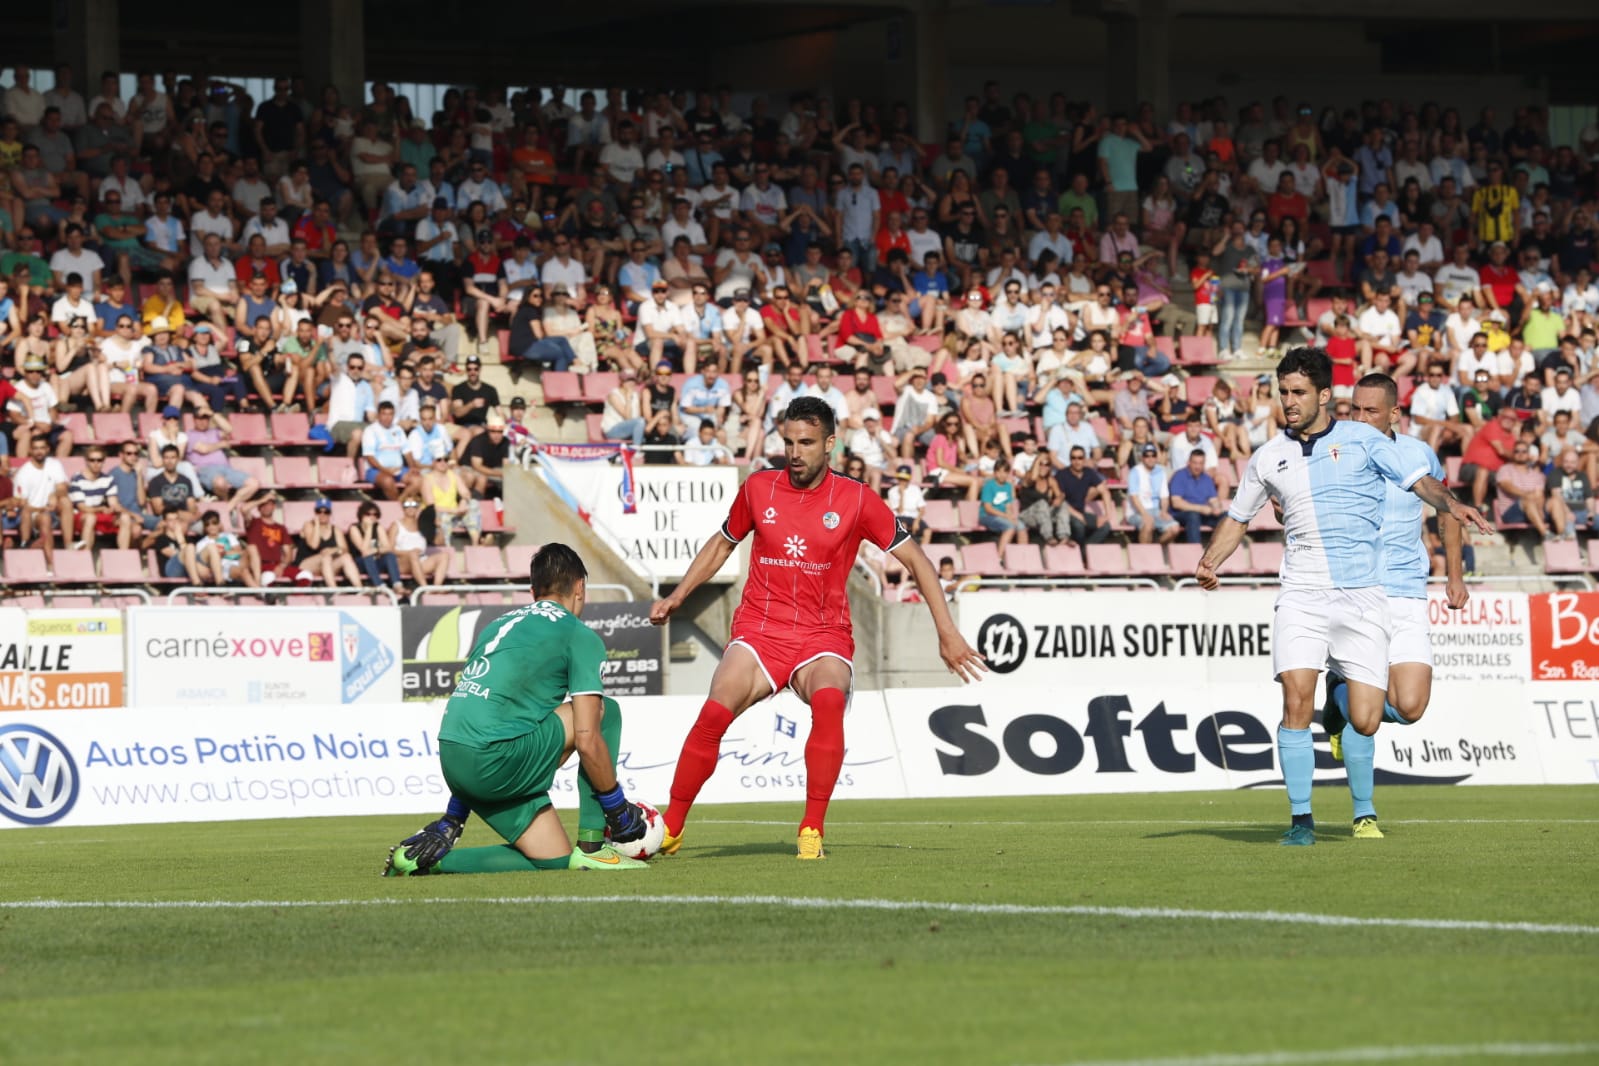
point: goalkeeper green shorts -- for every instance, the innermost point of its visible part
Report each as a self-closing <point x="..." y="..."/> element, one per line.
<point x="507" y="783"/>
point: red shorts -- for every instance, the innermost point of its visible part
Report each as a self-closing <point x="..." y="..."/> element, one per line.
<point x="106" y="523"/>
<point x="781" y="652"/>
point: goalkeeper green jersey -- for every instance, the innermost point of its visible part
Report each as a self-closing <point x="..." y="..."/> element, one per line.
<point x="527" y="663"/>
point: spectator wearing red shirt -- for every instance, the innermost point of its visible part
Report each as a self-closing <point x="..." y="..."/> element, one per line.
<point x="316" y="231"/>
<point x="272" y="544"/>
<point x="257" y="262"/>
<point x="1492" y="446"/>
<point x="788" y="322"/>
<point x="1286" y="202"/>
<point x="860" y="337"/>
<point x="892" y="236"/>
<point x="1501" y="284"/>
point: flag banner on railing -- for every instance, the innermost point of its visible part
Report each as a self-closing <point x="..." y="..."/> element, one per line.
<point x="656" y="517"/>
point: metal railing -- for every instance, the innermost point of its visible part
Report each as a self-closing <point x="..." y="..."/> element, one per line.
<point x="186" y="592"/>
<point x="1582" y="581"/>
<point x="993" y="581"/>
<point x="421" y="591"/>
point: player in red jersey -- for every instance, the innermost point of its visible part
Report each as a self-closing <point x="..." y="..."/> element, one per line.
<point x="792" y="628"/>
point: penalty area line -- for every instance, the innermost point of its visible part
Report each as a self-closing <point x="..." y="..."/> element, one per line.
<point x="823" y="904"/>
<point x="1364" y="1054"/>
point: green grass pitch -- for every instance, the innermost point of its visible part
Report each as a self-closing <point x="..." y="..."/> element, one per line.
<point x="532" y="968"/>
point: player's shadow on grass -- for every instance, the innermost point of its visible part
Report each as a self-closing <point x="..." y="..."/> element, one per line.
<point x="1246" y="834"/>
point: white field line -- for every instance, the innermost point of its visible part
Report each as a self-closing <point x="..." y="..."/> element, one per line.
<point x="1044" y="822"/>
<point x="821" y="904"/>
<point x="1364" y="1054"/>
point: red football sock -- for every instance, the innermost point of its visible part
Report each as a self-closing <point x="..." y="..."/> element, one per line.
<point x="697" y="762"/>
<point x="824" y="754"/>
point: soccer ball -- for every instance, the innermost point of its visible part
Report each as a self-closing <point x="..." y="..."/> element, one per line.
<point x="646" y="846"/>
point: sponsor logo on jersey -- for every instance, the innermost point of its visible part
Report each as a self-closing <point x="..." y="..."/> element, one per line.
<point x="1333" y="453"/>
<point x="830" y="520"/>
<point x="794" y="547"/>
<point x="770" y="517"/>
<point x="475" y="669"/>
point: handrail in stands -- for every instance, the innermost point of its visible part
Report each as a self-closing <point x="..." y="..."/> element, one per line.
<point x="190" y="591"/>
<point x="1581" y="580"/>
<point x="1056" y="582"/>
<point x="433" y="590"/>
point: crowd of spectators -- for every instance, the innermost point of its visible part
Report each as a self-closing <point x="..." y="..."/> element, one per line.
<point x="1034" y="309"/>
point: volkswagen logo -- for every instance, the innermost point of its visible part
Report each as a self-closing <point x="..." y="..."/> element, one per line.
<point x="1002" y="642"/>
<point x="38" y="779"/>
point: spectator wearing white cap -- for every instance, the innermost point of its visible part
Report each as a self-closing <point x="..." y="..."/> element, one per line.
<point x="872" y="444"/>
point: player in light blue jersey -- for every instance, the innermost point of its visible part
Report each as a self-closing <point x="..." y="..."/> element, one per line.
<point x="1406" y="567"/>
<point x="1331" y="481"/>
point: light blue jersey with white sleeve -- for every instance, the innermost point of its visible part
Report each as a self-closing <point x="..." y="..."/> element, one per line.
<point x="1405" y="561"/>
<point x="1333" y="487"/>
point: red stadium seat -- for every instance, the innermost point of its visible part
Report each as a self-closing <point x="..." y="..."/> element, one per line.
<point x="597" y="386"/>
<point x="1146" y="560"/>
<point x="24" y="566"/>
<point x="1559" y="557"/>
<point x="939" y="552"/>
<point x="1199" y="388"/>
<point x="77" y="424"/>
<point x="1023" y="560"/>
<point x="250" y="430"/>
<point x="883" y="389"/>
<point x="519" y="560"/>
<point x="1064" y="560"/>
<point x="1184" y="558"/>
<point x="484" y="563"/>
<point x="591" y="426"/>
<point x="968" y="511"/>
<point x="253" y="465"/>
<point x="493" y="520"/>
<point x="149" y="422"/>
<point x="561" y="386"/>
<point x="1197" y="351"/>
<point x="1593" y="554"/>
<point x="114" y="427"/>
<point x="75" y="567"/>
<point x="293" y="428"/>
<point x="336" y="472"/>
<point x="293" y="472"/>
<point x="1237" y="564"/>
<point x="121" y="567"/>
<point x="941" y="516"/>
<point x="1106" y="559"/>
<point x="1265" y="557"/>
<point x="983" y="559"/>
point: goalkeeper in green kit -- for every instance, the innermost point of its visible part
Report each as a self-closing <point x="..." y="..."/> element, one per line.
<point x="528" y="697"/>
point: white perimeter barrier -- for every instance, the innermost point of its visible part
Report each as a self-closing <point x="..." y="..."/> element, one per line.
<point x="1159" y="734"/>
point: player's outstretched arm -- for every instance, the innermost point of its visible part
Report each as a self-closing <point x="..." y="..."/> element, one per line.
<point x="961" y="658"/>
<point x="712" y="555"/>
<point x="1229" y="534"/>
<point x="1454" y="565"/>
<point x="1434" y="494"/>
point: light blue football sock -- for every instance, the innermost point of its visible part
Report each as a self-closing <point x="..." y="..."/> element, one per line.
<point x="1390" y="713"/>
<point x="1298" y="760"/>
<point x="1340" y="695"/>
<point x="1359" y="753"/>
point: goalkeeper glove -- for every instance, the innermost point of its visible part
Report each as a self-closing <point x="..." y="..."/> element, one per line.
<point x="432" y="842"/>
<point x="623" y="819"/>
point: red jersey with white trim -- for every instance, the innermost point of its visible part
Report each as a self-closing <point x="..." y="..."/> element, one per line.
<point x="805" y="544"/>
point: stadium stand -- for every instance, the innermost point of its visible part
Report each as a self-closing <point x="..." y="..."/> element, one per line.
<point x="255" y="297"/>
